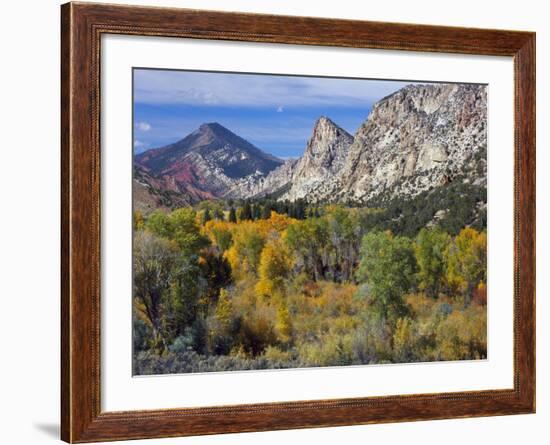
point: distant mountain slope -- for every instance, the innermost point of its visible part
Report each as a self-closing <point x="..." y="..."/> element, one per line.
<point x="418" y="138"/>
<point x="207" y="162"/>
<point x="150" y="193"/>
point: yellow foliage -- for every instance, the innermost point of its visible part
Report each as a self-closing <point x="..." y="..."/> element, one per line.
<point x="224" y="309"/>
<point x="336" y="298"/>
<point x="220" y="233"/>
<point x="404" y="335"/>
<point x="244" y="253"/>
<point x="279" y="222"/>
<point x="332" y="350"/>
<point x="139" y="221"/>
<point x="232" y="257"/>
<point x="274" y="354"/>
<point x="284" y="324"/>
<point x="344" y="324"/>
<point x="422" y="306"/>
<point x="242" y="243"/>
<point x="141" y="311"/>
<point x="275" y="265"/>
<point x="419" y="303"/>
<point x="281" y="305"/>
<point x="462" y="335"/>
<point x="467" y="259"/>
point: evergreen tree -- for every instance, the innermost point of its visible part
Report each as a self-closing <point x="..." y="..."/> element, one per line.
<point x="232" y="215"/>
<point x="206" y="216"/>
<point x="218" y="214"/>
<point x="291" y="210"/>
<point x="266" y="211"/>
<point x="246" y="212"/>
<point x="300" y="209"/>
<point x="257" y="212"/>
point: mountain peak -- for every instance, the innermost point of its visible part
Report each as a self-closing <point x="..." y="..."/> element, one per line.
<point x="325" y="134"/>
<point x="212" y="126"/>
<point x="411" y="141"/>
<point x="206" y="161"/>
<point x="217" y="131"/>
<point x="326" y="128"/>
<point x="325" y="122"/>
<point x="325" y="153"/>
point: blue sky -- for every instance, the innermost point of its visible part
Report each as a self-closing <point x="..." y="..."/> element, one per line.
<point x="275" y="113"/>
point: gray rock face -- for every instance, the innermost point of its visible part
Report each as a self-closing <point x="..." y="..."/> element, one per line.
<point x="324" y="157"/>
<point x="419" y="137"/>
<point x="305" y="177"/>
<point x="275" y="183"/>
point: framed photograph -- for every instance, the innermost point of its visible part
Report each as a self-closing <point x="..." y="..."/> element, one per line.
<point x="275" y="222"/>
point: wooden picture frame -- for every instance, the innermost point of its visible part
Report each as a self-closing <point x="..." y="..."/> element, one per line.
<point x="82" y="25"/>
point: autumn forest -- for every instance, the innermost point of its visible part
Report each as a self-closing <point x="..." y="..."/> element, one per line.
<point x="237" y="286"/>
<point x="297" y="221"/>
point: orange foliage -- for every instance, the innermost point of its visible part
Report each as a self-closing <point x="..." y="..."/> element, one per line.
<point x="480" y="294"/>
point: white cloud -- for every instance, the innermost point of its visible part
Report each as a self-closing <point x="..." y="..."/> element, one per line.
<point x="280" y="109"/>
<point x="138" y="144"/>
<point x="143" y="126"/>
<point x="222" y="89"/>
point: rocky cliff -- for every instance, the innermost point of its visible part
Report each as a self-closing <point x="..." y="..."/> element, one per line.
<point x="324" y="157"/>
<point x="418" y="138"/>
